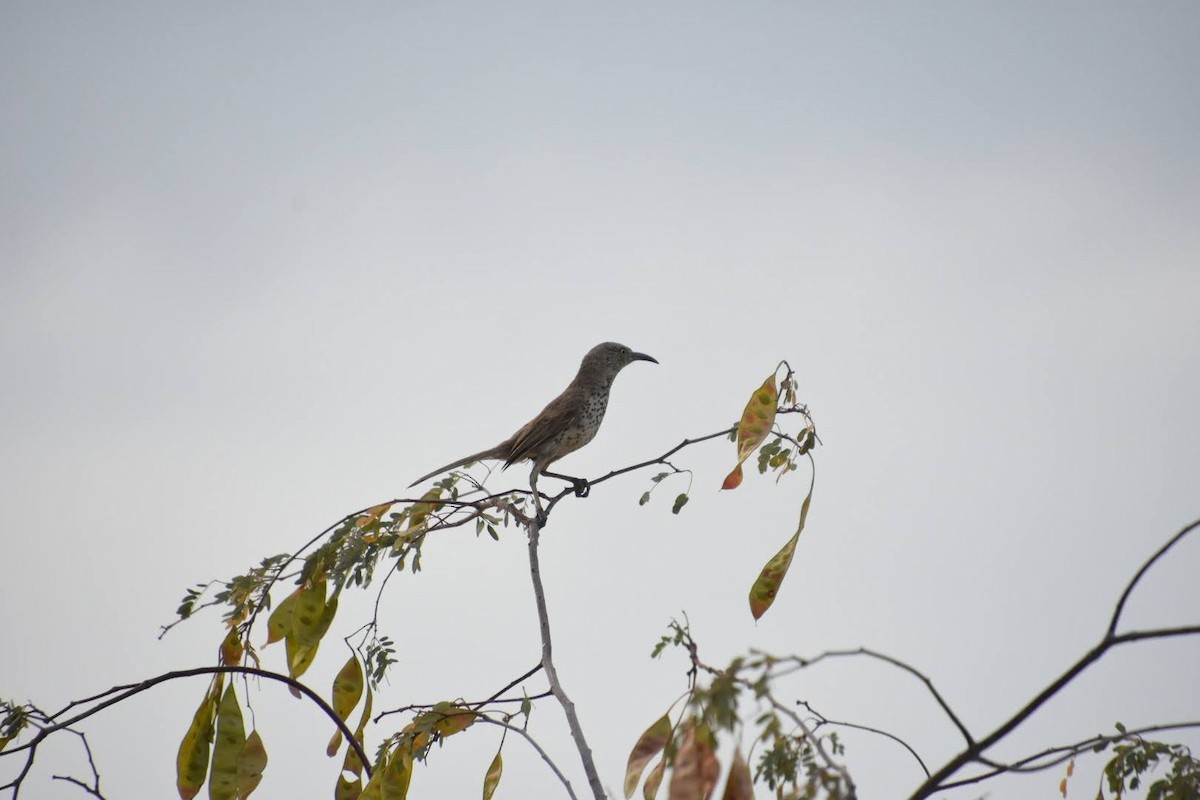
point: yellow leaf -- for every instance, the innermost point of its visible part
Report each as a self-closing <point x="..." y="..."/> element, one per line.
<point x="300" y="655"/>
<point x="352" y="763"/>
<point x="231" y="739"/>
<point x="492" y="778"/>
<point x="1062" y="787"/>
<point x="756" y="422"/>
<point x="695" y="771"/>
<point x="740" y="785"/>
<point x="653" y="781"/>
<point x="762" y="593"/>
<point x="396" y="776"/>
<point x="648" y="745"/>
<point x="347" y="691"/>
<point x="279" y="624"/>
<point x="450" y="719"/>
<point x="250" y="765"/>
<point x="231" y="648"/>
<point x="347" y="790"/>
<point x="191" y="763"/>
<point x="371" y="515"/>
<point x="309" y="613"/>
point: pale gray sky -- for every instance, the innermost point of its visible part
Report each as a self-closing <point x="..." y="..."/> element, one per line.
<point x="263" y="264"/>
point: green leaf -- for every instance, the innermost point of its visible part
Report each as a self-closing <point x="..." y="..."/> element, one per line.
<point x="645" y="498"/>
<point x="680" y="502"/>
<point x="231" y="739"/>
<point x="309" y="614"/>
<point x="191" y="763"/>
<point x="347" y="691"/>
<point x="648" y="745"/>
<point x="396" y="776"/>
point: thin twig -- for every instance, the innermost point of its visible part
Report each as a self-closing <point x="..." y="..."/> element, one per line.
<point x="1162" y="551"/>
<point x="824" y="720"/>
<point x="800" y="662"/>
<point x="1063" y="753"/>
<point x="94" y="788"/>
<point x="533" y="743"/>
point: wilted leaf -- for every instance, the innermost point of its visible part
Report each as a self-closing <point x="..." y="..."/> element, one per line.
<point x="696" y="770"/>
<point x="231" y="739"/>
<point x="648" y="745"/>
<point x="250" y="765"/>
<point x="347" y="691"/>
<point x="762" y="593"/>
<point x="653" y="781"/>
<point x="756" y="422"/>
<point x="492" y="778"/>
<point x="371" y="515"/>
<point x="452" y="718"/>
<point x="740" y="784"/>
<point x="1062" y="787"/>
<point x="191" y="763"/>
<point x="231" y="648"/>
<point x="680" y="502"/>
<point x="645" y="498"/>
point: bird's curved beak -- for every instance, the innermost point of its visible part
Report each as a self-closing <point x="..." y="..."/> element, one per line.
<point x="642" y="357"/>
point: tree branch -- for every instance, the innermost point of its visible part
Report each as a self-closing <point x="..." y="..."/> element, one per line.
<point x="533" y="743"/>
<point x="539" y="594"/>
<point x="118" y="694"/>
<point x="801" y="663"/>
<point x="974" y="751"/>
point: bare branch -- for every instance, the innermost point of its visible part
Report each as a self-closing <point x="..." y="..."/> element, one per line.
<point x="1057" y="755"/>
<point x="1162" y="551"/>
<point x="823" y="720"/>
<point x="800" y="662"/>
<point x="975" y="751"/>
<point x="94" y="787"/>
<point x="539" y="594"/>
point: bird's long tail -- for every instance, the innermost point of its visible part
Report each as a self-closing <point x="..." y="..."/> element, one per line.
<point x="491" y="452"/>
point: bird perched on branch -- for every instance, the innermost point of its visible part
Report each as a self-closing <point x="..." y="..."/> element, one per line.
<point x="566" y="424"/>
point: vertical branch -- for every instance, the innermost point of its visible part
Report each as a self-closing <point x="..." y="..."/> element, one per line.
<point x="539" y="594"/>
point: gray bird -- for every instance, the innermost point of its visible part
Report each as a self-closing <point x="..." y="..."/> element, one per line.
<point x="566" y="424"/>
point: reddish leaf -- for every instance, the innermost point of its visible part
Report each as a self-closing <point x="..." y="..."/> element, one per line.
<point x="649" y="744"/>
<point x="762" y="593"/>
<point x="695" y="771"/>
<point x="756" y="422"/>
<point x="740" y="785"/>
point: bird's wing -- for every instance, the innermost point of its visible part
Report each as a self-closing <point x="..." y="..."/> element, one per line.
<point x="554" y="419"/>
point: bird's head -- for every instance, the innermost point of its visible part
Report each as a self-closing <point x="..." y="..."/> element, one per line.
<point x="609" y="358"/>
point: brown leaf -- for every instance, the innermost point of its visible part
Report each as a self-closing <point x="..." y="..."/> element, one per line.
<point x="696" y="770"/>
<point x="740" y="785"/>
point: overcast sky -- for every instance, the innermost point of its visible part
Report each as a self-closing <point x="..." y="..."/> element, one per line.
<point x="263" y="264"/>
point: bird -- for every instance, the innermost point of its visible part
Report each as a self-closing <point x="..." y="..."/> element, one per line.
<point x="567" y="423"/>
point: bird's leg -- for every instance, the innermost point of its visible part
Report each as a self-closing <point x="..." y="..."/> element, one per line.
<point x="539" y="513"/>
<point x="582" y="487"/>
